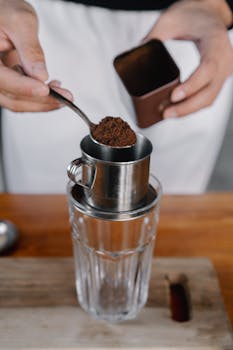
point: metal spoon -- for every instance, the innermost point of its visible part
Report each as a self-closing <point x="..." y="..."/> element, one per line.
<point x="84" y="117"/>
<point x="62" y="99"/>
<point x="74" y="108"/>
<point x="71" y="105"/>
<point x="8" y="235"/>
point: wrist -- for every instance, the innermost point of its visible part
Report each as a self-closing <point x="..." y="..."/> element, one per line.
<point x="222" y="9"/>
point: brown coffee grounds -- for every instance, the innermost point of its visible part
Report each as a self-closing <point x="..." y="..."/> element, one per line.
<point x="114" y="132"/>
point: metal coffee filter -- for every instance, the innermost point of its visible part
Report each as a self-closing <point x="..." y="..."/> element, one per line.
<point x="113" y="179"/>
<point x="77" y="197"/>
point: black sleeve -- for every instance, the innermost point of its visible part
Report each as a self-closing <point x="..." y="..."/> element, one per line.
<point x="230" y="3"/>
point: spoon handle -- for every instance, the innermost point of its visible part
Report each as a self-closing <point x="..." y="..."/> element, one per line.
<point x="71" y="105"/>
<point x="62" y="99"/>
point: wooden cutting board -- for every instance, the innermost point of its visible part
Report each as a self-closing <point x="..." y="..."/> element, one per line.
<point x="39" y="310"/>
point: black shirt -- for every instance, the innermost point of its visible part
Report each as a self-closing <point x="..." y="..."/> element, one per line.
<point x="128" y="5"/>
<point x="133" y="4"/>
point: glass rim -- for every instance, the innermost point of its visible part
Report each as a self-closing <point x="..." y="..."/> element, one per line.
<point x="87" y="209"/>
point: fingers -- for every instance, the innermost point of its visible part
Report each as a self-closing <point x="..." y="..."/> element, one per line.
<point x="41" y="99"/>
<point x="163" y="29"/>
<point x="203" y="86"/>
<point x="55" y="83"/>
<point x="203" y="76"/>
<point x="26" y="42"/>
<point x="14" y="83"/>
<point x="20" y="93"/>
<point x="211" y="39"/>
<point x="203" y="98"/>
<point x="18" y="103"/>
<point x="19" y="44"/>
<point x="17" y="86"/>
<point x="171" y="23"/>
<point x="26" y="106"/>
<point x="5" y="45"/>
<point x="66" y="93"/>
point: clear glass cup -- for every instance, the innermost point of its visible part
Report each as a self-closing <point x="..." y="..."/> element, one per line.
<point x="113" y="258"/>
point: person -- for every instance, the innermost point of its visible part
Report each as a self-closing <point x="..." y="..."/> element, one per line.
<point x="75" y="42"/>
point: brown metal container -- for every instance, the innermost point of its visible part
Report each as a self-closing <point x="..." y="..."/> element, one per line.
<point x="149" y="74"/>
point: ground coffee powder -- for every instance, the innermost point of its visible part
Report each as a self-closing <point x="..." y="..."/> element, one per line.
<point x="114" y="132"/>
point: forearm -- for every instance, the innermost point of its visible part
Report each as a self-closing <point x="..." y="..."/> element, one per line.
<point x="223" y="8"/>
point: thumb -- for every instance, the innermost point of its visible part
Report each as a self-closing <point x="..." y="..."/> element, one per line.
<point x="26" y="41"/>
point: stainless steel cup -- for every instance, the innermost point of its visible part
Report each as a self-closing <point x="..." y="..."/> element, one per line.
<point x="113" y="179"/>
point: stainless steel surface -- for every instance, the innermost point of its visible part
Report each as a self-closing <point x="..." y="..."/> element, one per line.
<point x="77" y="198"/>
<point x="109" y="148"/>
<point x="71" y="105"/>
<point x="88" y="177"/>
<point x="8" y="235"/>
<point x="84" y="117"/>
<point x="115" y="179"/>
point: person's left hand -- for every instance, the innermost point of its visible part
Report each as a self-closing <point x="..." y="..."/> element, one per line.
<point x="203" y="22"/>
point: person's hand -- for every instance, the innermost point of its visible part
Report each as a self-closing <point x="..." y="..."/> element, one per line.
<point x="203" y="22"/>
<point x="19" y="44"/>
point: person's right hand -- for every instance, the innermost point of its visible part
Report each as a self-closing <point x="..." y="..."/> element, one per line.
<point x="19" y="44"/>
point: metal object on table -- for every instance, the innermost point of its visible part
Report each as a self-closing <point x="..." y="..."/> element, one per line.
<point x="8" y="235"/>
<point x="113" y="179"/>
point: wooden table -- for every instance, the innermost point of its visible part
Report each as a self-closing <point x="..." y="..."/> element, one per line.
<point x="200" y="225"/>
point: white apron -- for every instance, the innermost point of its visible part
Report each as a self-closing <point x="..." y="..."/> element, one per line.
<point x="80" y="43"/>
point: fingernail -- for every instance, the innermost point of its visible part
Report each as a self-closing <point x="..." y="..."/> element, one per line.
<point x="170" y="113"/>
<point x="178" y="95"/>
<point x="39" y="69"/>
<point x="55" y="83"/>
<point x="5" y="45"/>
<point x="40" y="91"/>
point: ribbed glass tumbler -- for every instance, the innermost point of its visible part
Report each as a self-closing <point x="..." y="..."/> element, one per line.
<point x="113" y="259"/>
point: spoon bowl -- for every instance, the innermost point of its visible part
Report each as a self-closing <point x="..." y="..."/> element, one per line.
<point x="84" y="117"/>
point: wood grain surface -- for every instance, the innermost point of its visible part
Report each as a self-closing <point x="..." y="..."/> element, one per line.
<point x="199" y="225"/>
<point x="38" y="294"/>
